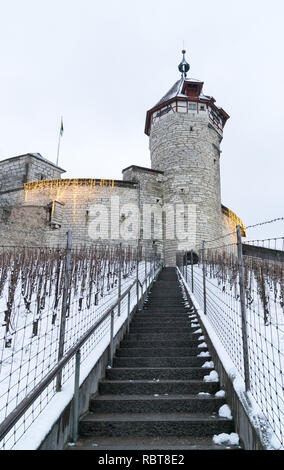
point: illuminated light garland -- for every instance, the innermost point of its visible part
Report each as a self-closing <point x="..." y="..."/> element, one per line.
<point x="234" y="219"/>
<point x="104" y="182"/>
<point x="57" y="187"/>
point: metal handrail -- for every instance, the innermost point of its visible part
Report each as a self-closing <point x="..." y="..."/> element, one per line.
<point x="20" y="410"/>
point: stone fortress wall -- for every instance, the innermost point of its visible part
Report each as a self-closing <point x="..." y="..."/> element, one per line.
<point x="39" y="212"/>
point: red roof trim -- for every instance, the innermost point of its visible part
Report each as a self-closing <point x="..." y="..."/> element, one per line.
<point x="211" y="102"/>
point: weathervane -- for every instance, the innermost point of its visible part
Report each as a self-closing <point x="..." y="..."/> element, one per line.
<point x="183" y="66"/>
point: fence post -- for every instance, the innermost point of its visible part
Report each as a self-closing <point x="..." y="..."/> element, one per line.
<point x="119" y="278"/>
<point x="186" y="267"/>
<point x="137" y="276"/>
<point x="111" y="338"/>
<point x="243" y="308"/>
<point x="76" y="397"/>
<point x="204" y="277"/>
<point x="64" y="306"/>
<point x="192" y="281"/>
<point x="128" y="312"/>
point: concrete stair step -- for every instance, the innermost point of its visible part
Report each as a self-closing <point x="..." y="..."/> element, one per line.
<point x="158" y="373"/>
<point x="166" y="293"/>
<point x="162" y="283"/>
<point x="149" y="443"/>
<point x="160" y="344"/>
<point x="159" y="352"/>
<point x="154" y="424"/>
<point x="155" y="361"/>
<point x="166" y="298"/>
<point x="165" y="309"/>
<point x="149" y="387"/>
<point x="152" y="318"/>
<point x="159" y="308"/>
<point x="156" y="336"/>
<point x="161" y="322"/>
<point x="166" y="329"/>
<point x="159" y="404"/>
<point x="146" y="314"/>
<point x="164" y="302"/>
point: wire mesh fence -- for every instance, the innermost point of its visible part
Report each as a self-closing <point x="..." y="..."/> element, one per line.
<point x="44" y="289"/>
<point x="243" y="298"/>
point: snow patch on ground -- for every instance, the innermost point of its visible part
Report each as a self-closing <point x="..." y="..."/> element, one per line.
<point x="197" y="332"/>
<point x="204" y="354"/>
<point x="225" y="412"/>
<point x="212" y="377"/>
<point x="220" y="394"/>
<point x="228" y="439"/>
<point x="208" y="365"/>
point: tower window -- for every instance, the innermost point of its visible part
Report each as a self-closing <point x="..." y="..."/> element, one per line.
<point x="191" y="128"/>
<point x="164" y="111"/>
<point x="202" y="107"/>
<point x="192" y="106"/>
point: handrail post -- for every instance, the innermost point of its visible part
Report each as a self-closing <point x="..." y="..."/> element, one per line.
<point x="192" y="280"/>
<point x="76" y="397"/>
<point x="64" y="306"/>
<point x="119" y="278"/>
<point x="111" y="338"/>
<point x="128" y="312"/>
<point x="204" y="278"/>
<point x="243" y="308"/>
<point x="142" y="297"/>
<point x="137" y="275"/>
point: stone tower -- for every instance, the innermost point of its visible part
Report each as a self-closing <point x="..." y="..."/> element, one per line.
<point x="185" y="129"/>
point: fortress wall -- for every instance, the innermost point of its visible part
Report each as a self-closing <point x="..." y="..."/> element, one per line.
<point x="38" y="221"/>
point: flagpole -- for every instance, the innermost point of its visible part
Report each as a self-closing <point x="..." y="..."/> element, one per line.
<point x="58" y="148"/>
<point x="59" y="140"/>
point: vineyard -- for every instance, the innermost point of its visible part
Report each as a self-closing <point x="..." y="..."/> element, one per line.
<point x="38" y="285"/>
<point x="251" y="329"/>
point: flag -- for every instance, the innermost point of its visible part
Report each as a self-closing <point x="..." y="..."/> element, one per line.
<point x="61" y="128"/>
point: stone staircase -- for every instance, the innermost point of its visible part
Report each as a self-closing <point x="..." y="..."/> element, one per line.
<point x="151" y="398"/>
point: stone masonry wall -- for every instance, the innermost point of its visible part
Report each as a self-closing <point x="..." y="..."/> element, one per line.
<point x="16" y="171"/>
<point x="150" y="199"/>
<point x="32" y="222"/>
<point x="187" y="149"/>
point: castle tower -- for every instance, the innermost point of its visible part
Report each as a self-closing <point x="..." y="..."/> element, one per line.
<point x="185" y="129"/>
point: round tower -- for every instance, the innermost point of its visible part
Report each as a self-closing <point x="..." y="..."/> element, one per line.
<point x="185" y="129"/>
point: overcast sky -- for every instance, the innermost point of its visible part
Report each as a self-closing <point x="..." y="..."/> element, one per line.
<point x="103" y="64"/>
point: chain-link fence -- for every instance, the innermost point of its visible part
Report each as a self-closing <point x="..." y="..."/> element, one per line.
<point x="240" y="287"/>
<point x="49" y="299"/>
